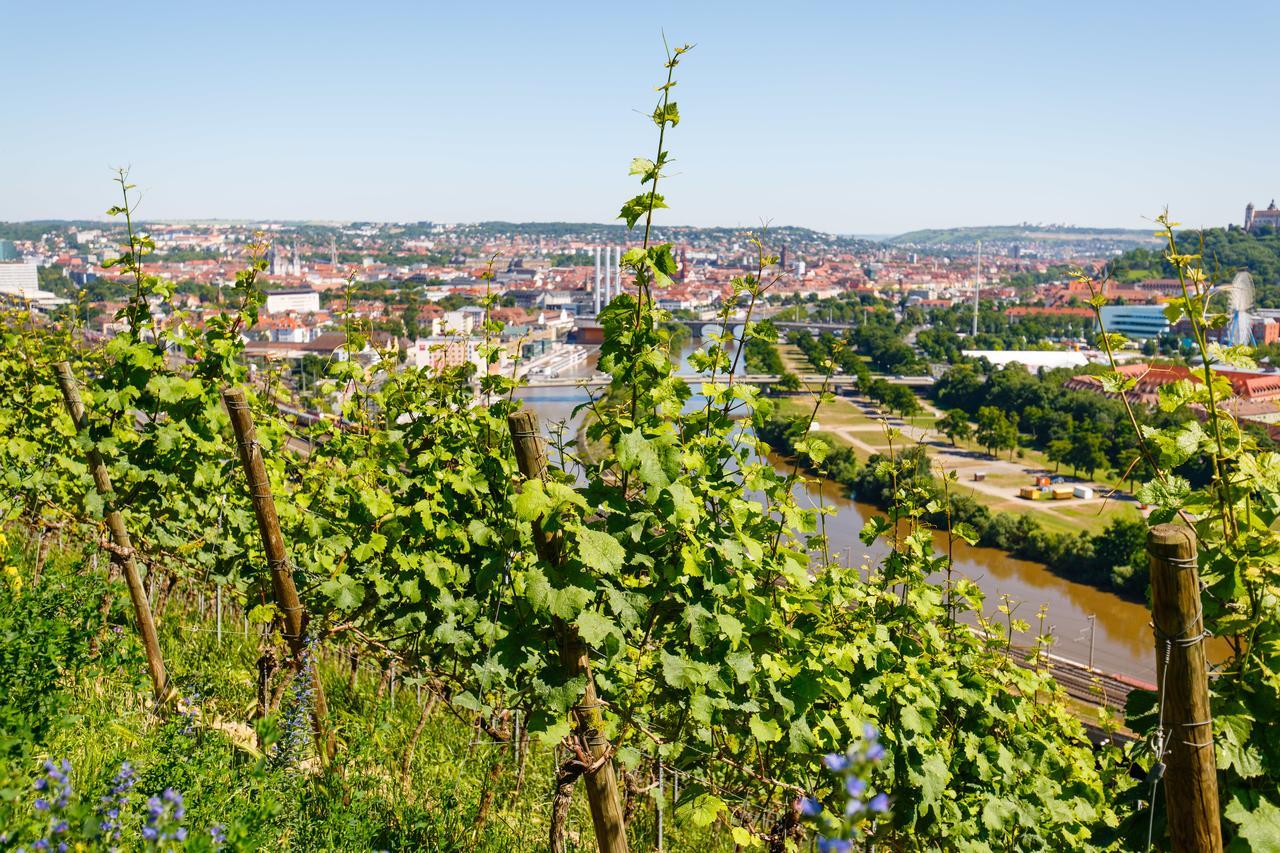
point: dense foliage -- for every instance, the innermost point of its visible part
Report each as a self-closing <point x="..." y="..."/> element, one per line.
<point x="1233" y="512"/>
<point x="668" y="606"/>
<point x="1111" y="558"/>
<point x="1223" y="252"/>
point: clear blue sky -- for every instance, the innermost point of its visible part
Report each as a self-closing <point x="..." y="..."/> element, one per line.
<point x="845" y="116"/>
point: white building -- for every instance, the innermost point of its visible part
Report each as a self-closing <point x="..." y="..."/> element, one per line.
<point x="454" y="323"/>
<point x="21" y="281"/>
<point x="1031" y="359"/>
<point x="292" y="302"/>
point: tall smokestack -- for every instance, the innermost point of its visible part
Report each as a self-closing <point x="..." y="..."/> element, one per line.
<point x="596" y="291"/>
<point x="617" y="271"/>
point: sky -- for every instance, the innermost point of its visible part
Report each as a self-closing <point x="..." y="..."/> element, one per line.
<point x="850" y="117"/>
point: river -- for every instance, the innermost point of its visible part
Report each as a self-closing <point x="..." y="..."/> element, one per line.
<point x="1077" y="615"/>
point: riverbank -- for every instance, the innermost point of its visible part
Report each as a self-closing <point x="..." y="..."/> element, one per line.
<point x="1110" y="558"/>
<point x="1085" y="622"/>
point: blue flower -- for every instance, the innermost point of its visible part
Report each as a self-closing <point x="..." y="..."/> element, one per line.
<point x="855" y="787"/>
<point x="870" y="732"/>
<point x="875" y="752"/>
<point x="836" y="762"/>
<point x="41" y="783"/>
<point x="834" y="845"/>
<point x="809" y="807"/>
<point x="150" y="833"/>
<point x="217" y="834"/>
<point x="42" y="805"/>
<point x="879" y="803"/>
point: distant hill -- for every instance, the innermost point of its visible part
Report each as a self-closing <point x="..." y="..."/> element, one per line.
<point x="1226" y="251"/>
<point x="775" y="236"/>
<point x="36" y="228"/>
<point x="1026" y="235"/>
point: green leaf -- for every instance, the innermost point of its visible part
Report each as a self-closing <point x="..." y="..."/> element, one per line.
<point x="533" y="502"/>
<point x="1259" y="826"/>
<point x="666" y="115"/>
<point x="565" y="602"/>
<point x="343" y="591"/>
<point x="687" y="507"/>
<point x="682" y="673"/>
<point x="600" y="551"/>
<point x="766" y="731"/>
<point x="637" y="453"/>
<point x="593" y="627"/>
<point x="706" y="808"/>
<point x="639" y="206"/>
<point x="731" y="627"/>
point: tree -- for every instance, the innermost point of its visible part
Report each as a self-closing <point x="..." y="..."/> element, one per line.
<point x="901" y="399"/>
<point x="996" y="432"/>
<point x="1086" y="452"/>
<point x="960" y="387"/>
<point x="787" y="382"/>
<point x="955" y="426"/>
<point x="1058" y="451"/>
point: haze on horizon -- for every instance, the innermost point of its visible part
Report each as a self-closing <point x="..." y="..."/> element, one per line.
<point x="844" y="117"/>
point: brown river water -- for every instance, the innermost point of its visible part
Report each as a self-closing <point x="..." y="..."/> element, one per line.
<point x="1119" y="629"/>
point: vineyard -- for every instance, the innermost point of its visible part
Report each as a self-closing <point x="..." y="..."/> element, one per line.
<point x="410" y="621"/>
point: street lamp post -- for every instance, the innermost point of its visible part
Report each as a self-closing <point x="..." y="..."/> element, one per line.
<point x="1093" y="623"/>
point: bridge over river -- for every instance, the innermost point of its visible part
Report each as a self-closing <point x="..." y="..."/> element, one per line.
<point x="599" y="380"/>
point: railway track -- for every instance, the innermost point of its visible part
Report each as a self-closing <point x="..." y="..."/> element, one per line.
<point x="1092" y="688"/>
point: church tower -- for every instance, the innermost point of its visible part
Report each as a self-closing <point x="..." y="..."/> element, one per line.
<point x="1248" y="216"/>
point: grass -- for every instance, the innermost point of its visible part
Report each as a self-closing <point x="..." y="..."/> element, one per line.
<point x="844" y="419"/>
<point x="214" y="760"/>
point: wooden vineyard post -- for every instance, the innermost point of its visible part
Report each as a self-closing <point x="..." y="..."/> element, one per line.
<point x="1190" y="776"/>
<point x="601" y="783"/>
<point x="282" y="585"/>
<point x="122" y="552"/>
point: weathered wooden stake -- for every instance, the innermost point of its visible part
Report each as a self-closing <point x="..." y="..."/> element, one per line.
<point x="122" y="554"/>
<point x="661" y="793"/>
<point x="602" y="783"/>
<point x="286" y="593"/>
<point x="1191" y="777"/>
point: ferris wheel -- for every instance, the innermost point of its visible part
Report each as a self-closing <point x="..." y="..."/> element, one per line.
<point x="1239" y="330"/>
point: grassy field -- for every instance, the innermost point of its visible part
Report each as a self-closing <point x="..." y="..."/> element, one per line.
<point x="448" y="788"/>
<point x="856" y="423"/>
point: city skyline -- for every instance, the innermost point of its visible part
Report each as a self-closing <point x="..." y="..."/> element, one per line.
<point x="852" y="120"/>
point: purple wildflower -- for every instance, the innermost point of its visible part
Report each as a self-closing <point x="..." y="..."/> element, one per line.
<point x="809" y="807"/>
<point x="879" y="803"/>
<point x="836" y="762"/>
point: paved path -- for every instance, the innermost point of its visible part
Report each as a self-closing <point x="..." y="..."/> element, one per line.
<point x="965" y="462"/>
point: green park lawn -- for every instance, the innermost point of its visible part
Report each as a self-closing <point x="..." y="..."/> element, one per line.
<point x="1067" y="516"/>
